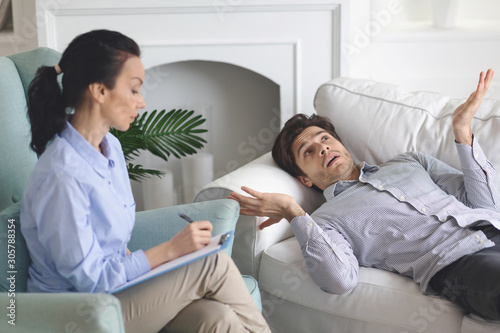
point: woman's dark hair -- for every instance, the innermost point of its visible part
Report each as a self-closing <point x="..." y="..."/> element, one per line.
<point x="96" y="56"/>
<point x="282" y="148"/>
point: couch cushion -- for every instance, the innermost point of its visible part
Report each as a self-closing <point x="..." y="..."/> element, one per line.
<point x="475" y="324"/>
<point x="14" y="257"/>
<point x="377" y="121"/>
<point x="284" y="275"/>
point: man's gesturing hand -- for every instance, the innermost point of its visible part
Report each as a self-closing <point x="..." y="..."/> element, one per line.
<point x="462" y="117"/>
<point x="275" y="206"/>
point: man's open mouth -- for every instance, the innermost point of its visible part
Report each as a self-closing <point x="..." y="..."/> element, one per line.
<point x="332" y="160"/>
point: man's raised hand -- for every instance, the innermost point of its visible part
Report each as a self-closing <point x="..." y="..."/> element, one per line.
<point x="462" y="117"/>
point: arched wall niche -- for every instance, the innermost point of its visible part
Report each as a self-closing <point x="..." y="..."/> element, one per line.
<point x="241" y="106"/>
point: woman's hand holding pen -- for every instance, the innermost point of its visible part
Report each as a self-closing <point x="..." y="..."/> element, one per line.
<point x="193" y="237"/>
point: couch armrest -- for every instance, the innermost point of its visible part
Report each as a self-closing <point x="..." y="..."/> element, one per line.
<point x="263" y="175"/>
<point x="60" y="312"/>
<point x="155" y="226"/>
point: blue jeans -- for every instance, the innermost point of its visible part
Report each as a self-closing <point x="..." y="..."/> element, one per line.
<point x="473" y="281"/>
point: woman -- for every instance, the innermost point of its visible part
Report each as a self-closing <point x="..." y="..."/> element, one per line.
<point x="78" y="210"/>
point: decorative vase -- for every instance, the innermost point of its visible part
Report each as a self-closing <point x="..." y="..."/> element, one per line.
<point x="197" y="171"/>
<point x="159" y="192"/>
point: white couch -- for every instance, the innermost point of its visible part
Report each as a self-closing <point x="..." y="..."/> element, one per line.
<point x="375" y="121"/>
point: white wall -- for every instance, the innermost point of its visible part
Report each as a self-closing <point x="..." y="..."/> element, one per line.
<point x="394" y="41"/>
<point x="404" y="49"/>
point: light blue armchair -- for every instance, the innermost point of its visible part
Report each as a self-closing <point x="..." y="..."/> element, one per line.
<point x="66" y="312"/>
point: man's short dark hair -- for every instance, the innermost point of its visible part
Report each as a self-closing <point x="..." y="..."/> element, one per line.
<point x="282" y="148"/>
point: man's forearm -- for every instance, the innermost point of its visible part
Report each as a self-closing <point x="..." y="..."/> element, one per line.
<point x="330" y="261"/>
<point x="292" y="211"/>
<point x="479" y="178"/>
<point x="463" y="136"/>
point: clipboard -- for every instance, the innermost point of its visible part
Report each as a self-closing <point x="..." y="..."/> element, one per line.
<point x="217" y="243"/>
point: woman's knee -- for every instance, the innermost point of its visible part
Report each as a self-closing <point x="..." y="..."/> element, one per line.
<point x="205" y="315"/>
<point x="221" y="260"/>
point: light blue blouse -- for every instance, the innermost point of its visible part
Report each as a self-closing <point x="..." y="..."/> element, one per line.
<point x="77" y="216"/>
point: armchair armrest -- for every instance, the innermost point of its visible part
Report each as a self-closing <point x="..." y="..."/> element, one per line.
<point x="61" y="312"/>
<point x="155" y="226"/>
<point x="263" y="175"/>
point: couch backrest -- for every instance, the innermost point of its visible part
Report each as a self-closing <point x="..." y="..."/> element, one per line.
<point x="377" y="121"/>
<point x="17" y="160"/>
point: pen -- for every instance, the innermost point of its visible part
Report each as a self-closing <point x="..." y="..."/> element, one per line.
<point x="185" y="217"/>
<point x="222" y="239"/>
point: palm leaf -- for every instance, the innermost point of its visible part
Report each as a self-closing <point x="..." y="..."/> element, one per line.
<point x="164" y="134"/>
<point x="138" y="173"/>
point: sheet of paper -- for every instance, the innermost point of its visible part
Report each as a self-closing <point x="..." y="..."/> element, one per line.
<point x="211" y="247"/>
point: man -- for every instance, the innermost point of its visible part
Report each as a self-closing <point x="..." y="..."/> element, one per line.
<point x="413" y="215"/>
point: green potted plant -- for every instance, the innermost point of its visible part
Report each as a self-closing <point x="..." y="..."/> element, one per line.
<point x="163" y="134"/>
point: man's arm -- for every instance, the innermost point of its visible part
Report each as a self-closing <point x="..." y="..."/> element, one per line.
<point x="475" y="186"/>
<point x="479" y="177"/>
<point x="479" y="173"/>
<point x="462" y="117"/>
<point x="328" y="255"/>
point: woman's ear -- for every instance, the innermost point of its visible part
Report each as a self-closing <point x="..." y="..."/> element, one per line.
<point x="97" y="91"/>
<point x="305" y="181"/>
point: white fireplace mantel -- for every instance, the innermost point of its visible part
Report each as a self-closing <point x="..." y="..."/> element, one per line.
<point x="296" y="44"/>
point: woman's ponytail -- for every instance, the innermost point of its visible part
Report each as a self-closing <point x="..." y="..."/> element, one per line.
<point x="46" y="109"/>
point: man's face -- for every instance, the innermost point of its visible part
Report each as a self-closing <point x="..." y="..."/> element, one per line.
<point x="322" y="158"/>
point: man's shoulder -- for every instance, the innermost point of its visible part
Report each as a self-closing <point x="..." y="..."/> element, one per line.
<point x="410" y="157"/>
<point x="404" y="163"/>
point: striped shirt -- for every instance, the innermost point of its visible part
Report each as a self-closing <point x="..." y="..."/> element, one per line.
<point x="410" y="215"/>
